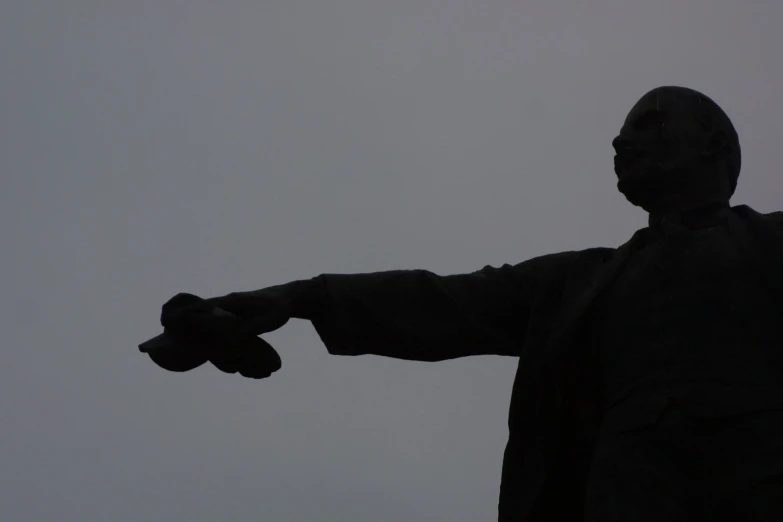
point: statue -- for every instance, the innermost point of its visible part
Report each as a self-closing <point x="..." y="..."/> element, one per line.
<point x="649" y="384"/>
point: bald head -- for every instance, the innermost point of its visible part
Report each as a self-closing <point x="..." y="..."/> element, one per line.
<point x="677" y="150"/>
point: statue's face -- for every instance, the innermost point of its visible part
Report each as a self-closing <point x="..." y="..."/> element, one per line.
<point x="661" y="152"/>
<point x="661" y="133"/>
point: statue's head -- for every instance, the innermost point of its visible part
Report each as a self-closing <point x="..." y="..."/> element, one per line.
<point x="676" y="151"/>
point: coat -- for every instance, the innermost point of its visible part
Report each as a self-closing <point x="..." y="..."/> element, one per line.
<point x="537" y="311"/>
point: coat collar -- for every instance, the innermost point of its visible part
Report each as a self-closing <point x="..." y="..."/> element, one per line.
<point x="711" y="215"/>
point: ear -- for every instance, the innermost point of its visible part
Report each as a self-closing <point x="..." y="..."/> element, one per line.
<point x="717" y="145"/>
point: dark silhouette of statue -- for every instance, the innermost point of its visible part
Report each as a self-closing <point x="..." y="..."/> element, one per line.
<point x="650" y="377"/>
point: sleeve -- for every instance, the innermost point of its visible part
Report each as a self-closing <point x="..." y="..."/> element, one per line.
<point x="420" y="316"/>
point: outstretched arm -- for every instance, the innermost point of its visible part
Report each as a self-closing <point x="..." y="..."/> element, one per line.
<point x="421" y="316"/>
<point x="404" y="314"/>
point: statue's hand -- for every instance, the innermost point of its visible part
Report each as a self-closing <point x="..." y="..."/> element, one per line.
<point x="205" y="321"/>
<point x="222" y="330"/>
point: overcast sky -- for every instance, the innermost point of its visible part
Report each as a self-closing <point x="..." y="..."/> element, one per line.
<point x="155" y="147"/>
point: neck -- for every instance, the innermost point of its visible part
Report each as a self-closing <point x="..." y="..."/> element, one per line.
<point x="703" y="215"/>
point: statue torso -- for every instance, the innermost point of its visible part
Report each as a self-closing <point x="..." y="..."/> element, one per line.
<point x="687" y="319"/>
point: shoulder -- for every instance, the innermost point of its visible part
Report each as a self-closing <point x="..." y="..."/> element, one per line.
<point x="775" y="218"/>
<point x="574" y="256"/>
<point x="772" y="218"/>
<point x="559" y="264"/>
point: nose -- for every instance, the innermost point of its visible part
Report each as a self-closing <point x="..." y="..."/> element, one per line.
<point x="627" y="148"/>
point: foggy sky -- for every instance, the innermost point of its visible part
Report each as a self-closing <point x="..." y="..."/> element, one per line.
<point x="155" y="147"/>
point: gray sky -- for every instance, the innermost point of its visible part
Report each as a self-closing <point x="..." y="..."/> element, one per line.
<point x="154" y="147"/>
